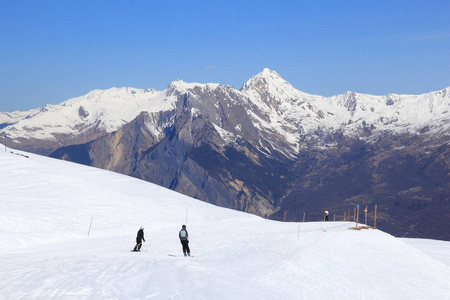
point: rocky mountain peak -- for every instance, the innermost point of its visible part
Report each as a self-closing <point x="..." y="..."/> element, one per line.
<point x="268" y="73"/>
<point x="178" y="87"/>
<point x="267" y="78"/>
<point x="270" y="91"/>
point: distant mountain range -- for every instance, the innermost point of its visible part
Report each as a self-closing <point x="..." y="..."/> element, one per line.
<point x="267" y="148"/>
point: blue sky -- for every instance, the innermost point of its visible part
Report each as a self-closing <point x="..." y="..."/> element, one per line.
<point x="54" y="50"/>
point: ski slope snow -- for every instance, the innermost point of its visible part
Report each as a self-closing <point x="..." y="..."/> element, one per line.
<point x="46" y="208"/>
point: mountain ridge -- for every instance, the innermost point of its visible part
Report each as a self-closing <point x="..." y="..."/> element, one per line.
<point x="153" y="100"/>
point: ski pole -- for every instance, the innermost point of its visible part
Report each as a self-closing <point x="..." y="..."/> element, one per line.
<point x="90" y="225"/>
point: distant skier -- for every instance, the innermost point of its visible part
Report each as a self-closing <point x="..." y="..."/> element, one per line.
<point x="139" y="239"/>
<point x="184" y="238"/>
<point x="325" y="216"/>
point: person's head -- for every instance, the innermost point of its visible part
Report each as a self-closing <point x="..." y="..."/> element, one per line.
<point x="184" y="226"/>
<point x="142" y="228"/>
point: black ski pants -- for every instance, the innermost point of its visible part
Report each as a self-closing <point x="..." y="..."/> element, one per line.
<point x="138" y="245"/>
<point x="185" y="244"/>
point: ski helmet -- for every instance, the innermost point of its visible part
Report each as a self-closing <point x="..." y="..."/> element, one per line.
<point x="184" y="226"/>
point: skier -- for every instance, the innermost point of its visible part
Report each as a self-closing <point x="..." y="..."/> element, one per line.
<point x="184" y="238"/>
<point x="139" y="239"/>
<point x="325" y="215"/>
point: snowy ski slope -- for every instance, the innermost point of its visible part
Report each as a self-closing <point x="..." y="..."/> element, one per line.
<point x="46" y="207"/>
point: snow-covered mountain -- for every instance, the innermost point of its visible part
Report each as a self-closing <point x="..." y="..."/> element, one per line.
<point x="78" y="120"/>
<point x="275" y="108"/>
<point x="48" y="207"/>
<point x="304" y="114"/>
<point x="267" y="148"/>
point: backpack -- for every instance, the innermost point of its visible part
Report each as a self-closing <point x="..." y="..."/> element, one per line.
<point x="183" y="234"/>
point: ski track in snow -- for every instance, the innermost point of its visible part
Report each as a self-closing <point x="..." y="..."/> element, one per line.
<point x="46" y="206"/>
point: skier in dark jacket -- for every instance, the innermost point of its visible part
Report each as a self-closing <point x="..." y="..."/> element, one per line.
<point x="139" y="239"/>
<point x="184" y="238"/>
